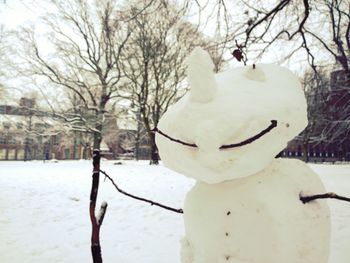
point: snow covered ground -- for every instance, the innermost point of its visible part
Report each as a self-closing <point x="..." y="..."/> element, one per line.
<point x="44" y="212"/>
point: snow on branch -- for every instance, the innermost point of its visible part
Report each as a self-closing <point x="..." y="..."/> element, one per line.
<point x="101" y="213"/>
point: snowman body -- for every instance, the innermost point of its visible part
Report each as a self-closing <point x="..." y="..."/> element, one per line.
<point x="225" y="133"/>
<point x="257" y="219"/>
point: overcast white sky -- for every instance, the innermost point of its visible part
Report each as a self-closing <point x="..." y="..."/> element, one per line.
<point x="15" y="13"/>
<point x="20" y="12"/>
<point x="24" y="12"/>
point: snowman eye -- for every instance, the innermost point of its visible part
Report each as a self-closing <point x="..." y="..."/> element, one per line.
<point x="228" y="146"/>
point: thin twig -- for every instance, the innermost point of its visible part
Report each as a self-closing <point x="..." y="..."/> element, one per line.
<point x="254" y="138"/>
<point x="229" y="146"/>
<point x="180" y="211"/>
<point x="309" y="198"/>
<point x="239" y="54"/>
<point x="174" y="140"/>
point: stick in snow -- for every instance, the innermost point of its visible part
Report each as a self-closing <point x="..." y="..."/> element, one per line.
<point x="96" y="221"/>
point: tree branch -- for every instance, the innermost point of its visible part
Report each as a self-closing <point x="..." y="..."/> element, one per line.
<point x="276" y="9"/>
<point x="180" y="211"/>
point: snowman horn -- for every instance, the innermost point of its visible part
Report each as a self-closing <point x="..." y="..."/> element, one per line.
<point x="201" y="76"/>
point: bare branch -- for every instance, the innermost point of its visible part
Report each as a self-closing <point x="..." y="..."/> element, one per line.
<point x="180" y="211"/>
<point x="308" y="198"/>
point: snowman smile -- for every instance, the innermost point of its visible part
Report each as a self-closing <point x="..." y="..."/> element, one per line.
<point x="228" y="146"/>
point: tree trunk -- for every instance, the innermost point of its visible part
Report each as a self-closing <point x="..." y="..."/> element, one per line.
<point x="95" y="235"/>
<point x="28" y="146"/>
<point x="305" y="152"/>
<point x="96" y="222"/>
<point x="137" y="148"/>
<point x="97" y="137"/>
<point x="154" y="150"/>
<point x="138" y="136"/>
<point x="86" y="151"/>
<point x="75" y="146"/>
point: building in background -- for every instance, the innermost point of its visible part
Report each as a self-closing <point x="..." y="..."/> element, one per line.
<point x="331" y="131"/>
<point x="33" y="138"/>
<point x="29" y="134"/>
<point x="132" y="144"/>
<point x="24" y="136"/>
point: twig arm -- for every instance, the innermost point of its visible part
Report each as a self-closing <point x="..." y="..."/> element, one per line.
<point x="180" y="211"/>
<point x="308" y="198"/>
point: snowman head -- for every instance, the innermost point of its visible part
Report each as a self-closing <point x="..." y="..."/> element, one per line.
<point x="232" y="124"/>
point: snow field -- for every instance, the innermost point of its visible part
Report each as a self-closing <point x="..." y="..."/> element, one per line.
<point x="44" y="212"/>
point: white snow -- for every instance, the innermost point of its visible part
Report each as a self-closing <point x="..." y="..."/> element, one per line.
<point x="241" y="105"/>
<point x="200" y="76"/>
<point x="259" y="218"/>
<point x="44" y="212"/>
<point x="228" y="140"/>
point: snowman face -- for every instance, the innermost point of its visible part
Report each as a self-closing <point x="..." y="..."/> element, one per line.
<point x="232" y="124"/>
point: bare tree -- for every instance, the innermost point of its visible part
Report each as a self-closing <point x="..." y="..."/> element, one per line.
<point x="160" y="41"/>
<point x="317" y="30"/>
<point x="313" y="26"/>
<point x="86" y="40"/>
<point x="316" y="88"/>
<point x="87" y="43"/>
<point x="300" y="25"/>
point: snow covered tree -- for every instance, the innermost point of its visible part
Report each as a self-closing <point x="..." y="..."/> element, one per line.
<point x="86" y="43"/>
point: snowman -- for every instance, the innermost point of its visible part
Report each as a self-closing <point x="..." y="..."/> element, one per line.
<point x="225" y="134"/>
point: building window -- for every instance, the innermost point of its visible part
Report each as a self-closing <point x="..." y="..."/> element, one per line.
<point x="66" y="153"/>
<point x="54" y="140"/>
<point x="28" y="141"/>
<point x="11" y="141"/>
